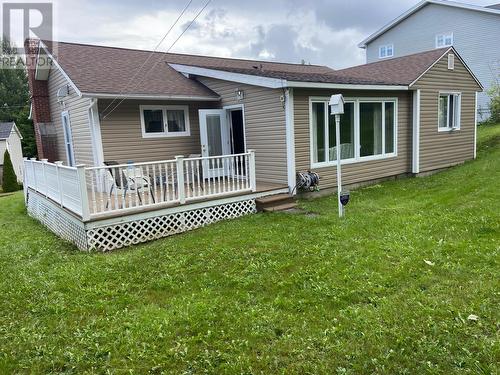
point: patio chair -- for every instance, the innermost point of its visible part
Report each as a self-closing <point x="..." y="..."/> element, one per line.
<point x="138" y="181"/>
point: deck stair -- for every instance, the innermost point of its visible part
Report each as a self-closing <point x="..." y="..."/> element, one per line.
<point x="278" y="202"/>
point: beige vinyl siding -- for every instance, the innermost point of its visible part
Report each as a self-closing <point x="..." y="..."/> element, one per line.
<point x="264" y="125"/>
<point x="77" y="108"/>
<point x="444" y="149"/>
<point x="361" y="171"/>
<point x="122" y="138"/>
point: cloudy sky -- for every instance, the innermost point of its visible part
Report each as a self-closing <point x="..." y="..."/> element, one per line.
<point x="319" y="32"/>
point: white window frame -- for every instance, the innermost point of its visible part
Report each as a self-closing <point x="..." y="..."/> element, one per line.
<point x="444" y="36"/>
<point x="68" y="139"/>
<point x="385" y="47"/>
<point x="357" y="145"/>
<point x="165" y="133"/>
<point x="457" y="114"/>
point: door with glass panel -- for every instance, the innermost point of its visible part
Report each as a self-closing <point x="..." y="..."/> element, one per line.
<point x="214" y="138"/>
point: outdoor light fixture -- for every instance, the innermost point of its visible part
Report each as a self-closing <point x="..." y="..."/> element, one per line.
<point x="240" y="94"/>
<point x="337" y="109"/>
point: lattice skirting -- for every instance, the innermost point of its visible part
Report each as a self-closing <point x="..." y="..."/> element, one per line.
<point x="115" y="236"/>
<point x="57" y="220"/>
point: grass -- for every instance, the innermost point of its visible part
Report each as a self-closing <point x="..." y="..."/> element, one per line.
<point x="389" y="289"/>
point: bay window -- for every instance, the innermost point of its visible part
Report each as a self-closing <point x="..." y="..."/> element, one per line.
<point x="367" y="130"/>
<point x="164" y="121"/>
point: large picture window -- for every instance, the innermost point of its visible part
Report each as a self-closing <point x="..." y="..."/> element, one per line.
<point x="164" y="121"/>
<point x="367" y="130"/>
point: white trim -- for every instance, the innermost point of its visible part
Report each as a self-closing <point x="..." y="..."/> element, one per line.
<point x="417" y="7"/>
<point x="273" y="83"/>
<point x="475" y="126"/>
<point x="386" y="46"/>
<point x="290" y="140"/>
<point x="146" y="96"/>
<point x="165" y="133"/>
<point x="416" y="132"/>
<point x="357" y="145"/>
<point x="95" y="132"/>
<point x="68" y="139"/>
<point x="341" y="86"/>
<point x="60" y="69"/>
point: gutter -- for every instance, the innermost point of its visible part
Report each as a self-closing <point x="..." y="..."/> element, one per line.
<point x="150" y="97"/>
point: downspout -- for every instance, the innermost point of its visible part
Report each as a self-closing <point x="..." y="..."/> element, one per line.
<point x="290" y="140"/>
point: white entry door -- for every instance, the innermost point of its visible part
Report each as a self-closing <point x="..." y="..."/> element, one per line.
<point x="214" y="138"/>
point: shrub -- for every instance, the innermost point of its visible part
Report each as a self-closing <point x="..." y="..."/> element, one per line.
<point x="9" y="176"/>
<point x="494" y="93"/>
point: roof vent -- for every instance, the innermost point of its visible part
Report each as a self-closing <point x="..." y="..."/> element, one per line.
<point x="451" y="61"/>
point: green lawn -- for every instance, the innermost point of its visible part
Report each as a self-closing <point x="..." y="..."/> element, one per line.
<point x="389" y="289"/>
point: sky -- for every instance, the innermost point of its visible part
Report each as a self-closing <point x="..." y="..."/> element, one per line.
<point x="319" y="32"/>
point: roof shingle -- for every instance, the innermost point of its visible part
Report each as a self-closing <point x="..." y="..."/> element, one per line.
<point x="5" y="129"/>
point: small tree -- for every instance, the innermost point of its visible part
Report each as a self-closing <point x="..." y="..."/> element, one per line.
<point x="9" y="176"/>
<point x="494" y="93"/>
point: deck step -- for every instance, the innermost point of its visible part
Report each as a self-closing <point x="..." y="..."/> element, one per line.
<point x="275" y="202"/>
<point x="280" y="207"/>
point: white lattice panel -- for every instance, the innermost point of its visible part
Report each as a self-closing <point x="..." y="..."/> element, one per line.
<point x="125" y="234"/>
<point x="58" y="221"/>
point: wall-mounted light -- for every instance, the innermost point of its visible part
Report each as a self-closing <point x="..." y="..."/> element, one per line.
<point x="240" y="94"/>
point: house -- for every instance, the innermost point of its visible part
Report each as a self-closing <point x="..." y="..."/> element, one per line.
<point x="10" y="140"/>
<point x="474" y="31"/>
<point x="126" y="157"/>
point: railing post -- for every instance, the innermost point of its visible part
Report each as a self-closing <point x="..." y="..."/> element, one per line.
<point x="44" y="161"/>
<point x="59" y="183"/>
<point x="82" y="186"/>
<point x="181" y="192"/>
<point x="251" y="162"/>
<point x="35" y="185"/>
<point x="25" y="180"/>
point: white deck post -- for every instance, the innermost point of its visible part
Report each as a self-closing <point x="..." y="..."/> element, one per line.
<point x="35" y="185"/>
<point x="45" y="161"/>
<point x="251" y="162"/>
<point x="181" y="191"/>
<point x="82" y="186"/>
<point x="59" y="183"/>
<point x="25" y="180"/>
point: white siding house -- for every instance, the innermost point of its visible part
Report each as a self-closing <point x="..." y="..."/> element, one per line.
<point x="473" y="31"/>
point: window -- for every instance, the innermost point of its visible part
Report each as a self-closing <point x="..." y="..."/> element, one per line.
<point x="449" y="111"/>
<point x="323" y="133"/>
<point x="164" y="121"/>
<point x="386" y="51"/>
<point x="444" y="40"/>
<point x="68" y="139"/>
<point x="367" y="130"/>
<point x="451" y="61"/>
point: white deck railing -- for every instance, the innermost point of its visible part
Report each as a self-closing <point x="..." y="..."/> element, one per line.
<point x="89" y="191"/>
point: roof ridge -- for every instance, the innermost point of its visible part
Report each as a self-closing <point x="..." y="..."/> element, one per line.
<point x="187" y="54"/>
<point x="442" y="49"/>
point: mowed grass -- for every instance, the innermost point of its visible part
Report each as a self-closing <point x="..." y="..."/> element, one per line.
<point x="389" y="289"/>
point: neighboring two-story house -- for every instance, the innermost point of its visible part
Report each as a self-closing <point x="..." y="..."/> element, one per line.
<point x="474" y="31"/>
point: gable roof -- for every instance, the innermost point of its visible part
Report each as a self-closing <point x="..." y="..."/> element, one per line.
<point x="493" y="9"/>
<point x="6" y="128"/>
<point x="107" y="70"/>
<point x="398" y="72"/>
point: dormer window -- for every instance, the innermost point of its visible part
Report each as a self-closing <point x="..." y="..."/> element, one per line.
<point x="385" y="51"/>
<point x="444" y="40"/>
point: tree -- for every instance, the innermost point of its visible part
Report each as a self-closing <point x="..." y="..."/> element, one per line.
<point x="9" y="178"/>
<point x="14" y="98"/>
<point x="494" y="93"/>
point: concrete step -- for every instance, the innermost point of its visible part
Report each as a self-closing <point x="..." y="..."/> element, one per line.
<point x="273" y="200"/>
<point x="280" y="207"/>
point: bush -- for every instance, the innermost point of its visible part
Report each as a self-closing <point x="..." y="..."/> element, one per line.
<point x="494" y="93"/>
<point x="9" y="176"/>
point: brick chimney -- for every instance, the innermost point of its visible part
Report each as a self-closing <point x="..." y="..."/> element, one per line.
<point x="45" y="135"/>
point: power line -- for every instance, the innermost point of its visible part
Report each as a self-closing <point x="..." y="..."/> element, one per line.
<point x="168" y="50"/>
<point x="151" y="54"/>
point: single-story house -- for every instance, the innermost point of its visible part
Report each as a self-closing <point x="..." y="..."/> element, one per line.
<point x="10" y="140"/>
<point x="147" y="144"/>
